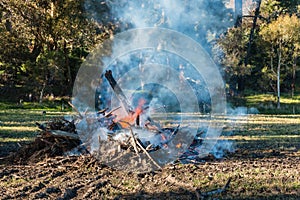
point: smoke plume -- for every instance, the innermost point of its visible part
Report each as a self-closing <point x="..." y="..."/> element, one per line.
<point x="175" y="76"/>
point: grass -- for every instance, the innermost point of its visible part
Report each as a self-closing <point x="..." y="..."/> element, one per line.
<point x="13" y="182"/>
<point x="19" y="124"/>
<point x="267" y="103"/>
<point x="17" y="121"/>
<point x="266" y="98"/>
<point x="258" y="125"/>
<point x="55" y="105"/>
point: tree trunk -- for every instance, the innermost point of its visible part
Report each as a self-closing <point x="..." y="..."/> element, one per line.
<point x="251" y="36"/>
<point x="294" y="77"/>
<point x="67" y="64"/>
<point x="272" y="63"/>
<point x="241" y="84"/>
<point x="233" y="86"/>
<point x="278" y="78"/>
<point x="42" y="93"/>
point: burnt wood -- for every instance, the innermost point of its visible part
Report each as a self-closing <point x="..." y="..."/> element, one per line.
<point x="118" y="91"/>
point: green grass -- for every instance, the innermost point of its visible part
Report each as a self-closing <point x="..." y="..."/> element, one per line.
<point x="269" y="98"/>
<point x="19" y="124"/>
<point x="267" y="103"/>
<point x="17" y="121"/>
<point x="46" y="105"/>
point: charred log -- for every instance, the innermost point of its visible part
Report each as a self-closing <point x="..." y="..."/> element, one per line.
<point x="118" y="92"/>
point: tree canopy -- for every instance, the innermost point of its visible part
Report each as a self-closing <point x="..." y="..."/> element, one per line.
<point x="43" y="43"/>
<point x="274" y="53"/>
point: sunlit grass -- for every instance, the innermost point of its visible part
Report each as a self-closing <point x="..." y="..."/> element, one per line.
<point x="48" y="105"/>
<point x="262" y="98"/>
<point x="19" y="124"/>
<point x="263" y="137"/>
<point x="9" y="139"/>
<point x="18" y="128"/>
<point x="13" y="182"/>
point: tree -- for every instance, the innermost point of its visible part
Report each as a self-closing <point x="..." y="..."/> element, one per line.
<point x="259" y="70"/>
<point x="283" y="37"/>
<point x="44" y="42"/>
<point x="233" y="45"/>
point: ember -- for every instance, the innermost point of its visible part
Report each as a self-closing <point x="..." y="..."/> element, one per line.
<point x="132" y="117"/>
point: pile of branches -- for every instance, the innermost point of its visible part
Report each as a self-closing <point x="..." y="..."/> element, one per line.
<point x="55" y="138"/>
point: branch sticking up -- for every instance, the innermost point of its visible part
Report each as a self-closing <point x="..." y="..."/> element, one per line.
<point x="118" y="92"/>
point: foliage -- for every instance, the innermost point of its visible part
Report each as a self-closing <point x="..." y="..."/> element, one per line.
<point x="274" y="50"/>
<point x="234" y="51"/>
<point x="43" y="44"/>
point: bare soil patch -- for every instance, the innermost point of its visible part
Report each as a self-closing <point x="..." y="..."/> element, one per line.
<point x="274" y="176"/>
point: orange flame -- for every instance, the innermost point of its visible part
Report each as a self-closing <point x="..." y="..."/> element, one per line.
<point x="130" y="119"/>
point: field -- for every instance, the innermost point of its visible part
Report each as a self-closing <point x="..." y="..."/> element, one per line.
<point x="265" y="165"/>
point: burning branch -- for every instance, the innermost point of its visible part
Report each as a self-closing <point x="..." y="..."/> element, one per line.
<point x="113" y="110"/>
<point x="118" y="92"/>
<point x="132" y="116"/>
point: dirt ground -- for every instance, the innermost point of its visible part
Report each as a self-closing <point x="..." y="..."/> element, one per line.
<point x="258" y="170"/>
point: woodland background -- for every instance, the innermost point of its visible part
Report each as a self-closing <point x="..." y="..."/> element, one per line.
<point x="43" y="43"/>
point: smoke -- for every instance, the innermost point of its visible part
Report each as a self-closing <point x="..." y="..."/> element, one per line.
<point x="202" y="20"/>
<point x="222" y="147"/>
<point x="177" y="83"/>
<point x="241" y="111"/>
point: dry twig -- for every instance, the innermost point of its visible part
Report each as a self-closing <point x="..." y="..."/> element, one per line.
<point x="76" y="110"/>
<point x="217" y="191"/>
<point x="113" y="110"/>
<point x="148" y="155"/>
<point x="134" y="141"/>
